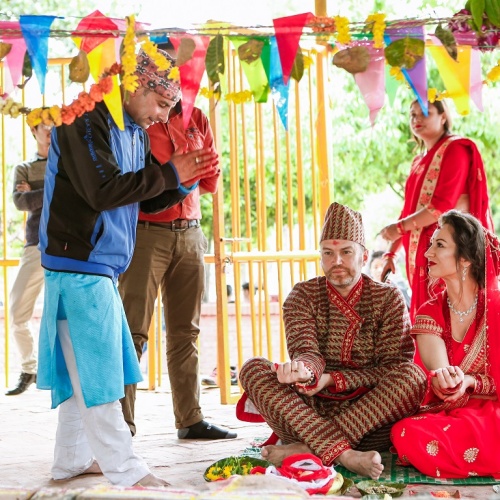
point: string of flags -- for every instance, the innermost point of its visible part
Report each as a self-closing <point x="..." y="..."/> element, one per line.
<point x="380" y="54"/>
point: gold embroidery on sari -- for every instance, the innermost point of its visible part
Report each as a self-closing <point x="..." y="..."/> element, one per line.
<point x="425" y="197"/>
<point x="432" y="448"/>
<point x="446" y="427"/>
<point x="470" y="454"/>
<point x="426" y="325"/>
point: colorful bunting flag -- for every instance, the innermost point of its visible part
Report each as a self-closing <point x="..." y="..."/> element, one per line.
<point x="279" y="89"/>
<point x="191" y="73"/>
<point x="36" y="30"/>
<point x="288" y="31"/>
<point x="11" y="33"/>
<point x="417" y="76"/>
<point x="371" y="82"/>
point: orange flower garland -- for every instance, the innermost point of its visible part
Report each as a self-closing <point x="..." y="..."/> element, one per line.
<point x="85" y="102"/>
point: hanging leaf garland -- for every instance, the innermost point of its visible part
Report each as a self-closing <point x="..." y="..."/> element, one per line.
<point x="79" y="68"/>
<point x="185" y="51"/>
<point x="447" y="38"/>
<point x="405" y="53"/>
<point x="353" y="60"/>
<point x="214" y="60"/>
<point x="4" y="49"/>
<point x="250" y="51"/>
<point x="477" y="8"/>
<point x="27" y="70"/>
<point x="298" y="66"/>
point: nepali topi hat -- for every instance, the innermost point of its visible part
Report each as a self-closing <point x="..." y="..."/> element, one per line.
<point x="343" y="223"/>
<point x="152" y="78"/>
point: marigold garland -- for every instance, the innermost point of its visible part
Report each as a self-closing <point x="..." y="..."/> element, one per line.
<point x="343" y="33"/>
<point x="397" y="74"/>
<point x="209" y="93"/>
<point x="376" y="24"/>
<point x="493" y="74"/>
<point x="85" y="102"/>
<point x="239" y="97"/>
<point x="128" y="58"/>
<point x="9" y="107"/>
<point x="434" y="95"/>
<point x="151" y="50"/>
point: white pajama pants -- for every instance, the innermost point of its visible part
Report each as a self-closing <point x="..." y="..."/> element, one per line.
<point x="96" y="433"/>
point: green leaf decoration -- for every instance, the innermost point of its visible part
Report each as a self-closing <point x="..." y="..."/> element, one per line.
<point x="353" y="59"/>
<point x="405" y="53"/>
<point x="251" y="50"/>
<point x="79" y="68"/>
<point x="214" y="60"/>
<point x="447" y="38"/>
<point x="477" y="8"/>
<point x="185" y="51"/>
<point x="492" y="9"/>
<point x="298" y="66"/>
<point x="27" y="70"/>
<point x="4" y="49"/>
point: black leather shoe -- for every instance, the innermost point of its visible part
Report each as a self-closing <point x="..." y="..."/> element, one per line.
<point x="25" y="380"/>
<point x="204" y="430"/>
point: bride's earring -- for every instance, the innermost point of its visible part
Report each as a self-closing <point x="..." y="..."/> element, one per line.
<point x="464" y="273"/>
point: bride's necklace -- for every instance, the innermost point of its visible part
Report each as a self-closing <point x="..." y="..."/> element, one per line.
<point x="462" y="314"/>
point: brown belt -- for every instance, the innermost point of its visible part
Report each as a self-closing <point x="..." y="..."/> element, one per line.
<point x="175" y="225"/>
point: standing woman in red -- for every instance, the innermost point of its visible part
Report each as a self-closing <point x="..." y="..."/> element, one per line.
<point x="448" y="173"/>
<point x="456" y="432"/>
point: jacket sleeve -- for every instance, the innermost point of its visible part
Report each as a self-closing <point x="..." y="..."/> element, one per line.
<point x="208" y="184"/>
<point x="87" y="160"/>
<point x="164" y="200"/>
<point x="26" y="201"/>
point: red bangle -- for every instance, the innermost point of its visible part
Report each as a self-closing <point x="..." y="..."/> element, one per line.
<point x="391" y="255"/>
<point x="400" y="227"/>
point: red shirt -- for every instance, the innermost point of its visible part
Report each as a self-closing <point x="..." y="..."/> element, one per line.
<point x="167" y="138"/>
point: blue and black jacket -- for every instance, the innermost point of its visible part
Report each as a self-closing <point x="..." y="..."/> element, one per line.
<point x="96" y="175"/>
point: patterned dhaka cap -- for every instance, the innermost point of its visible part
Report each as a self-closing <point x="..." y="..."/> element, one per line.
<point x="150" y="77"/>
<point x="342" y="223"/>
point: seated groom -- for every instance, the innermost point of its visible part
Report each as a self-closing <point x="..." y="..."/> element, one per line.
<point x="351" y="375"/>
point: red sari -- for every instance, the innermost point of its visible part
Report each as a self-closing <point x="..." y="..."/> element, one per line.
<point x="436" y="181"/>
<point x="460" y="439"/>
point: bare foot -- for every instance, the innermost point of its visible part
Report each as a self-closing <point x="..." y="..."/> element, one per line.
<point x="277" y="453"/>
<point x="152" y="480"/>
<point x="364" y="463"/>
<point x="93" y="469"/>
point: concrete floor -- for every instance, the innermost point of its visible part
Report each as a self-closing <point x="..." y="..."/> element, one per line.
<point x="28" y="426"/>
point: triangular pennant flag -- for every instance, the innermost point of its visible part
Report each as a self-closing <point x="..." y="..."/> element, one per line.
<point x="417" y="76"/>
<point x="254" y="71"/>
<point x="476" y="82"/>
<point x="288" y="31"/>
<point x="371" y="82"/>
<point x="279" y="89"/>
<point x="36" y="30"/>
<point x="100" y="58"/>
<point x="191" y="73"/>
<point x="391" y="85"/>
<point x="94" y="29"/>
<point x="455" y="74"/>
<point x="11" y="33"/>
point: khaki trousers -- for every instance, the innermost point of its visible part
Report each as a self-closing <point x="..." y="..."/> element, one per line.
<point x="172" y="260"/>
<point x="25" y="290"/>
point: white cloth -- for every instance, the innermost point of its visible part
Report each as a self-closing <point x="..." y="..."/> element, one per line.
<point x="25" y="290"/>
<point x="99" y="432"/>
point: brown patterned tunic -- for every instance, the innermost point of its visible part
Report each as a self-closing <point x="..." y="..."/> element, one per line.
<point x="364" y="343"/>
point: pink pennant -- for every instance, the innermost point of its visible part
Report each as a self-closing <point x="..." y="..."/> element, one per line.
<point x="476" y="82"/>
<point x="288" y="32"/>
<point x="191" y="72"/>
<point x="371" y="82"/>
<point x="11" y="33"/>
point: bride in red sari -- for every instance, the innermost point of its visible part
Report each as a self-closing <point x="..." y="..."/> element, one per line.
<point x="449" y="173"/>
<point x="457" y="430"/>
